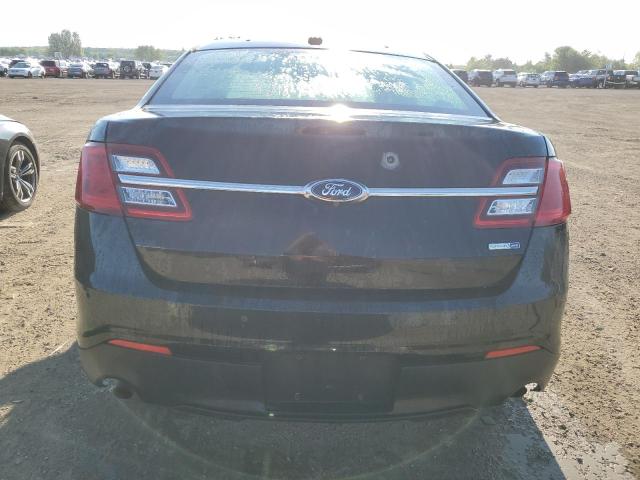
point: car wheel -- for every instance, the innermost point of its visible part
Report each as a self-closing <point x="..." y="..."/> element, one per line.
<point x="20" y="179"/>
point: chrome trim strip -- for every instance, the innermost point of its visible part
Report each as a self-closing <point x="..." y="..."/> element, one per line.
<point x="302" y="190"/>
<point x="205" y="185"/>
<point x="453" y="192"/>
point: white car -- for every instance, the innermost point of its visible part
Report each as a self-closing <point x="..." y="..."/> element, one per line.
<point x="157" y="71"/>
<point x="26" y="70"/>
<point x="502" y="77"/>
<point x="529" y="80"/>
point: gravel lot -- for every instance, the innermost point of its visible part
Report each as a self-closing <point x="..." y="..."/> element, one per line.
<point x="54" y="424"/>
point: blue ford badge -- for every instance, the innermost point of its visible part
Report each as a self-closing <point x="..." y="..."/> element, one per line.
<point x="336" y="190"/>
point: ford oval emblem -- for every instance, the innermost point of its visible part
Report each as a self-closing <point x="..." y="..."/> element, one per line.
<point x="336" y="190"/>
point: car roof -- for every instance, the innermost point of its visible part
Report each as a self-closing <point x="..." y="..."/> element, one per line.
<point x="248" y="43"/>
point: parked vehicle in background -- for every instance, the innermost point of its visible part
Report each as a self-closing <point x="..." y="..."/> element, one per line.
<point x="581" y="79"/>
<point x="462" y="74"/>
<point x="620" y="78"/>
<point x="19" y="166"/>
<point x="478" y="77"/>
<point x="55" y="68"/>
<point x="502" y="77"/>
<point x="105" y="70"/>
<point x="26" y="70"/>
<point x="600" y="77"/>
<point x="529" y="80"/>
<point x="633" y="79"/>
<point x="194" y="289"/>
<point x="131" y="69"/>
<point x="555" y="78"/>
<point x="79" y="70"/>
<point x="4" y="68"/>
<point x="147" y="68"/>
<point x="157" y="71"/>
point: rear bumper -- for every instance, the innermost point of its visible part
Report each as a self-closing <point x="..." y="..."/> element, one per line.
<point x="223" y="339"/>
<point x="239" y="388"/>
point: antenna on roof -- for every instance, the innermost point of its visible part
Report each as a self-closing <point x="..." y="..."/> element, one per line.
<point x="315" y="40"/>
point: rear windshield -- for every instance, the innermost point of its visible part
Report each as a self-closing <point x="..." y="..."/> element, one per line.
<point x="562" y="75"/>
<point x="306" y="77"/>
<point x="508" y="72"/>
<point x="99" y="64"/>
<point x="484" y="73"/>
<point x="22" y="65"/>
<point x="48" y="63"/>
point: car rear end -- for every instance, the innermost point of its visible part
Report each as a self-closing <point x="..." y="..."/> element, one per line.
<point x="482" y="77"/>
<point x="156" y="71"/>
<point x="20" y="69"/>
<point x="129" y="69"/>
<point x="261" y="238"/>
<point x="51" y="68"/>
<point x="532" y="80"/>
<point x="103" y="70"/>
<point x="507" y="77"/>
<point x="76" y="70"/>
<point x="560" y="79"/>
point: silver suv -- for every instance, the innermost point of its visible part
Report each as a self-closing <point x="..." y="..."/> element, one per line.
<point x="502" y="77"/>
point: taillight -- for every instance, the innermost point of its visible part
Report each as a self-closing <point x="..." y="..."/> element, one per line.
<point x="95" y="188"/>
<point x="550" y="206"/>
<point x="99" y="188"/>
<point x="517" y="211"/>
<point x="555" y="203"/>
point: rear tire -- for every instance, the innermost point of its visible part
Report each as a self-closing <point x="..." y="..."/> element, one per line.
<point x="20" y="182"/>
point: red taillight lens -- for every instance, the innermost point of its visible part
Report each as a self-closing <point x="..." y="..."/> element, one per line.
<point x="510" y="352"/>
<point x="95" y="188"/>
<point x="555" y="203"/>
<point x="142" y="347"/>
<point x="99" y="188"/>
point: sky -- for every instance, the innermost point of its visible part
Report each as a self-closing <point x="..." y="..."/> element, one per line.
<point x="451" y="31"/>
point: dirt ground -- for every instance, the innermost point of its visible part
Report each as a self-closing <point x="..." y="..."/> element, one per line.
<point x="54" y="424"/>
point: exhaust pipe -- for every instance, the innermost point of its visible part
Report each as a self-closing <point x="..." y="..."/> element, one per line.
<point x="122" y="391"/>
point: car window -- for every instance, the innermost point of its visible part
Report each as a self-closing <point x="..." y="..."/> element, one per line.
<point x="22" y="65"/>
<point x="309" y="77"/>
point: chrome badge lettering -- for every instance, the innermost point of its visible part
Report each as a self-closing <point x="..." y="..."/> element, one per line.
<point x="336" y="190"/>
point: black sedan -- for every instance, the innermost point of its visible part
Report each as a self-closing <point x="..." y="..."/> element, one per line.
<point x="19" y="166"/>
<point x="285" y="230"/>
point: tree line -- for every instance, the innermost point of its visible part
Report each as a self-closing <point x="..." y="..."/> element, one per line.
<point x="69" y="45"/>
<point x="563" y="58"/>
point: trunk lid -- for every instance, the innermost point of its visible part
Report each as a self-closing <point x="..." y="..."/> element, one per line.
<point x="278" y="240"/>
